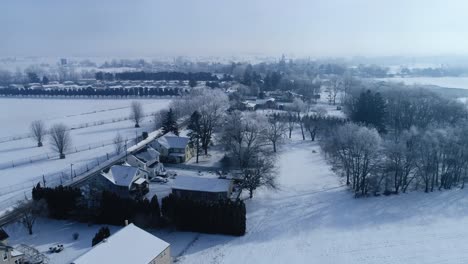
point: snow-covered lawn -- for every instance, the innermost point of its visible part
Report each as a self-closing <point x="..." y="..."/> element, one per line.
<point x="313" y="218"/>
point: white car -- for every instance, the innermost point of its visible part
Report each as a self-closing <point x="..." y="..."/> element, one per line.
<point x="159" y="179"/>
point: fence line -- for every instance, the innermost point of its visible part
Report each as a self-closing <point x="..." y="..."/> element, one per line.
<point x="75" y="127"/>
<point x="51" y="155"/>
<point x="64" y="177"/>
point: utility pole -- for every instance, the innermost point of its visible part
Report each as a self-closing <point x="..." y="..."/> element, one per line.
<point x="71" y="171"/>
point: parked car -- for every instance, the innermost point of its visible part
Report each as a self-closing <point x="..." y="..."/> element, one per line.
<point x="159" y="179"/>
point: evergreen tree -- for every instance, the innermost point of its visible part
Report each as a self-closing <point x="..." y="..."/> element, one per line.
<point x="195" y="132"/>
<point x="45" y="80"/>
<point x="192" y="83"/>
<point x="170" y="124"/>
<point x="369" y="109"/>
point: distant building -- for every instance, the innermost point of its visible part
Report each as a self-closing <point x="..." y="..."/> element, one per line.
<point x="173" y="148"/>
<point x="199" y="188"/>
<point x="147" y="159"/>
<point x="63" y="61"/>
<point x="124" y="180"/>
<point x="9" y="255"/>
<point x="129" y="245"/>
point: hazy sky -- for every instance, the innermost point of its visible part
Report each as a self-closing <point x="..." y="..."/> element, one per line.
<point x="222" y="27"/>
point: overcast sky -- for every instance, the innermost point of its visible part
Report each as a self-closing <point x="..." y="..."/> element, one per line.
<point x="222" y="27"/>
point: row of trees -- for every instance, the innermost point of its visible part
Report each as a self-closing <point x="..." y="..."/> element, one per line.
<point x="59" y="136"/>
<point x="93" y="92"/>
<point x="157" y="76"/>
<point x="400" y="140"/>
<point x="100" y="207"/>
<point x="217" y="217"/>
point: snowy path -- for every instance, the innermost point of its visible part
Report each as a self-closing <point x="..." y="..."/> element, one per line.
<point x="314" y="219"/>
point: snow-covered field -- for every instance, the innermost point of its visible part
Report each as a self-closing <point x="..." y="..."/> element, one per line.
<point x="448" y="82"/>
<point x="18" y="113"/>
<point x="312" y="218"/>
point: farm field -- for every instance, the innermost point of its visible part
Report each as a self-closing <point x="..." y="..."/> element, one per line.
<point x="88" y="143"/>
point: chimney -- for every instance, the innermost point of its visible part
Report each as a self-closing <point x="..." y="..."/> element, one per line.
<point x="126" y="222"/>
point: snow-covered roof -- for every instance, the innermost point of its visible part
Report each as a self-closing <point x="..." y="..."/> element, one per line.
<point x="129" y="245"/>
<point x="201" y="184"/>
<point x="121" y="175"/>
<point x="172" y="141"/>
<point x="147" y="154"/>
<point x="140" y="181"/>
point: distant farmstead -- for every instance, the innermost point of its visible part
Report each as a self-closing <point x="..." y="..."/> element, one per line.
<point x="129" y="245"/>
<point x="199" y="188"/>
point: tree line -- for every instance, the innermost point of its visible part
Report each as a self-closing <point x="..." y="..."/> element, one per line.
<point x="215" y="217"/>
<point x="93" y="92"/>
<point x="156" y="76"/>
<point x="400" y="140"/>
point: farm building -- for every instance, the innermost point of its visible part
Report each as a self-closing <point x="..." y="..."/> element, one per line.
<point x="129" y="245"/>
<point x="202" y="188"/>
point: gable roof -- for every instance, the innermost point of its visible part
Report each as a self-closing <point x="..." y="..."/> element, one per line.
<point x="172" y="141"/>
<point x="129" y="245"/>
<point x="147" y="154"/>
<point x="201" y="184"/>
<point x="121" y="175"/>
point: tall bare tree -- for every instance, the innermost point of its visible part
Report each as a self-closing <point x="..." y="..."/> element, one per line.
<point x="243" y="137"/>
<point x="38" y="131"/>
<point x="118" y="143"/>
<point x="299" y="107"/>
<point x="60" y="138"/>
<point x="29" y="211"/>
<point x="275" y="131"/>
<point x="136" y="113"/>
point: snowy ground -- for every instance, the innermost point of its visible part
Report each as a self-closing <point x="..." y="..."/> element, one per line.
<point x="314" y="219"/>
<point x="448" y="82"/>
<point x="17" y="176"/>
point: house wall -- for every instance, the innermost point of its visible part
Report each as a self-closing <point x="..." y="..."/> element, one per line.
<point x="103" y="183"/>
<point x="134" y="162"/>
<point x="163" y="258"/>
<point x="5" y="253"/>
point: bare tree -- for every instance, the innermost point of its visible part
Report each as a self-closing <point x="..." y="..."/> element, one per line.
<point x="210" y="104"/>
<point x="313" y="123"/>
<point x="29" y="211"/>
<point x="275" y="131"/>
<point x="158" y="118"/>
<point x="38" y="130"/>
<point x="136" y="113"/>
<point x="333" y="89"/>
<point x="299" y="107"/>
<point x="356" y="150"/>
<point x="118" y="143"/>
<point x="60" y="138"/>
<point x="244" y="139"/>
<point x="260" y="172"/>
<point x="291" y="122"/>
